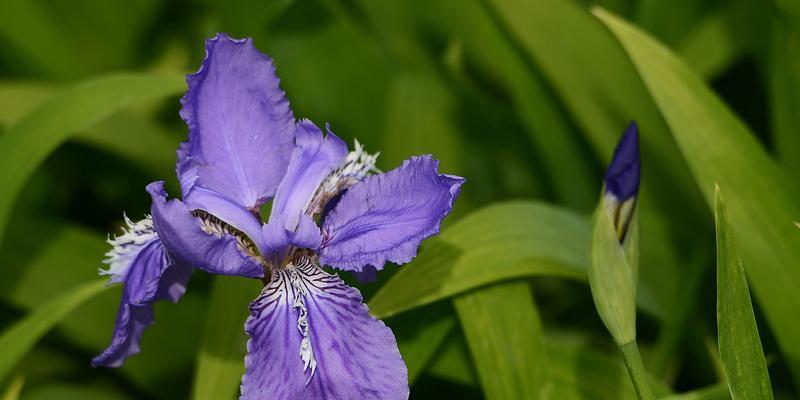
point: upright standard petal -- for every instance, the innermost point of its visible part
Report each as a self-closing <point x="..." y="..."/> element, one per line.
<point x="217" y="251"/>
<point x="149" y="277"/>
<point x="313" y="159"/>
<point x="622" y="176"/>
<point x="385" y="217"/>
<point x="313" y="338"/>
<point x="241" y="129"/>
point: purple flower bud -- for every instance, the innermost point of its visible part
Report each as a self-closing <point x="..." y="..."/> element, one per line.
<point x="622" y="177"/>
<point x="622" y="181"/>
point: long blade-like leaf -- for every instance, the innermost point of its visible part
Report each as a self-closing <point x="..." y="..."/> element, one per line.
<point x="739" y="343"/>
<point x="505" y="337"/>
<point x="720" y="148"/>
<point x="220" y="362"/>
<point x="24" y="146"/>
<point x="519" y="238"/>
<point x="17" y="340"/>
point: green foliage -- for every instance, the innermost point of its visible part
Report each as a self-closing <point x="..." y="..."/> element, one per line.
<point x="720" y="149"/>
<point x="525" y="98"/>
<point x="500" y="242"/>
<point x="25" y="145"/>
<point x="222" y="347"/>
<point x="21" y="337"/>
<point x="507" y="343"/>
<point x="612" y="278"/>
<point x="739" y="343"/>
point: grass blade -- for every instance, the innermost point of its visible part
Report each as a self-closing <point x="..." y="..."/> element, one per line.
<point x="17" y="340"/>
<point x="739" y="343"/>
<point x="719" y="148"/>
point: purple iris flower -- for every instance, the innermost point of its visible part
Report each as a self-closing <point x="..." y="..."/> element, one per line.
<point x="622" y="180"/>
<point x="311" y="335"/>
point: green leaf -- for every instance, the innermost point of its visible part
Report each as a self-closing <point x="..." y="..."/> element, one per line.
<point x="719" y="148"/>
<point x="18" y="339"/>
<point x="515" y="238"/>
<point x="552" y="135"/>
<point x="220" y="362"/>
<point x="24" y="146"/>
<point x="14" y="388"/>
<point x="711" y="46"/>
<point x="612" y="279"/>
<point x="784" y="85"/>
<point x="576" y="370"/>
<point x="739" y="343"/>
<point x="452" y="361"/>
<point x="61" y="40"/>
<point x="716" y="392"/>
<point x="65" y="255"/>
<point x="62" y="391"/>
<point x="591" y="74"/>
<point x="420" y="334"/>
<point x="131" y="133"/>
<point x="505" y="338"/>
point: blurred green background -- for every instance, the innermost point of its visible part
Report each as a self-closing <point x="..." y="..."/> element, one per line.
<point x="525" y="98"/>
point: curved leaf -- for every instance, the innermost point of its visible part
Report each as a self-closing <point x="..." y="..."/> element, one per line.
<point x="17" y="340"/>
<point x="739" y="343"/>
<point x="499" y="242"/>
<point x="505" y="338"/>
<point x="720" y="149"/>
<point x="220" y="361"/>
<point x="26" y="145"/>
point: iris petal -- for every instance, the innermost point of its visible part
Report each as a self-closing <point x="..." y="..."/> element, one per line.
<point x="385" y="217"/>
<point x="313" y="338"/>
<point x="315" y="156"/>
<point x="188" y="244"/>
<point x="149" y="277"/>
<point x="241" y="128"/>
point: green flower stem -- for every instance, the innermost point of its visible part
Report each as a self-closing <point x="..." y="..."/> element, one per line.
<point x="633" y="361"/>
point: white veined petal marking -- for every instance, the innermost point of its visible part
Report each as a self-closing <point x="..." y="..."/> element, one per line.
<point x="302" y="277"/>
<point x="125" y="247"/>
<point x="306" y="350"/>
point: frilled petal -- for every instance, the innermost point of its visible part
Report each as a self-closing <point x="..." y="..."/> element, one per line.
<point x="149" y="277"/>
<point x="314" y="157"/>
<point x="187" y="243"/>
<point x="385" y="217"/>
<point x="313" y="338"/>
<point x="241" y="128"/>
